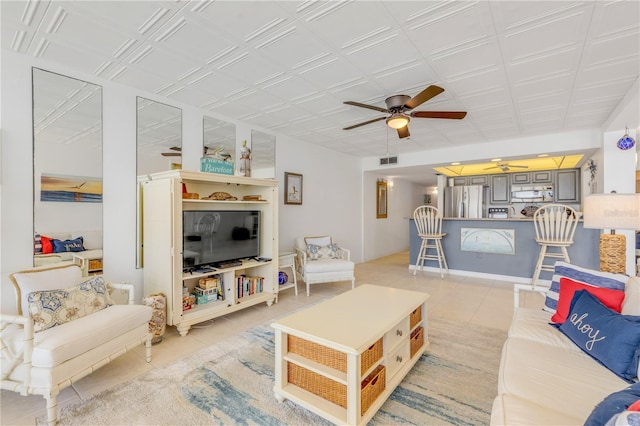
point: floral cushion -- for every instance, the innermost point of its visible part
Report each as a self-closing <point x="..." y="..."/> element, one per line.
<point x="55" y="307"/>
<point x="316" y="252"/>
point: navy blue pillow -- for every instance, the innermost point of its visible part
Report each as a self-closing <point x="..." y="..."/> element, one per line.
<point x="68" y="245"/>
<point x="609" y="337"/>
<point x="613" y="404"/>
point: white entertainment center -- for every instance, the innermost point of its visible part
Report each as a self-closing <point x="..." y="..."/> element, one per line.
<point x="162" y="220"/>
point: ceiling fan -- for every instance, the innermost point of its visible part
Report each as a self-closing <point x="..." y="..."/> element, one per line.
<point x="505" y="167"/>
<point x="178" y="151"/>
<point x="398" y="106"/>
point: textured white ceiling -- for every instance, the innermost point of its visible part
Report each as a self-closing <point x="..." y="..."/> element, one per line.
<point x="519" y="68"/>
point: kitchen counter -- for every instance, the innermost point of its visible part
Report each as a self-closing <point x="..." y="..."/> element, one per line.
<point x="517" y="266"/>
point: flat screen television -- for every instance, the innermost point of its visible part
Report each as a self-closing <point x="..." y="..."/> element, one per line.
<point x="211" y="237"/>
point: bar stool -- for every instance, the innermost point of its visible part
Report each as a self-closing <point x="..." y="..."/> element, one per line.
<point x="429" y="224"/>
<point x="555" y="225"/>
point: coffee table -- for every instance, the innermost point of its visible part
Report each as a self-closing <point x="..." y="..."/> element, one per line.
<point x="342" y="358"/>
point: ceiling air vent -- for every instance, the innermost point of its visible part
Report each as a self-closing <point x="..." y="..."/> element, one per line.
<point x="389" y="160"/>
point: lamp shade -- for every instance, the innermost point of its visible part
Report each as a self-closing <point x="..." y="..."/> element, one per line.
<point x="612" y="211"/>
<point x="397" y="121"/>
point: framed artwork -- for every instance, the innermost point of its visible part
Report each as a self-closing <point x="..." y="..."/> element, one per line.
<point x="381" y="200"/>
<point x="293" y="188"/>
<point x="68" y="188"/>
<point x="497" y="241"/>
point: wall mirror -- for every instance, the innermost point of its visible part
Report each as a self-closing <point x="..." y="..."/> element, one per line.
<point x="159" y="137"/>
<point x="219" y="139"/>
<point x="159" y="148"/>
<point x="263" y="155"/>
<point x="67" y="167"/>
<point x="381" y="199"/>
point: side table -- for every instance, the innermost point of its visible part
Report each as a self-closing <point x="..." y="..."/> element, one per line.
<point x="288" y="260"/>
<point x="88" y="260"/>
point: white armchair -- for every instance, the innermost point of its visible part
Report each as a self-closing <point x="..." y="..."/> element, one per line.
<point x="322" y="261"/>
<point x="40" y="358"/>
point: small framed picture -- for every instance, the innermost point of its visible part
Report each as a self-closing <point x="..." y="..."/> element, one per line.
<point x="293" y="188"/>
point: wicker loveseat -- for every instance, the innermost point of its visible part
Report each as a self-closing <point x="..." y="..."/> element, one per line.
<point x="66" y="328"/>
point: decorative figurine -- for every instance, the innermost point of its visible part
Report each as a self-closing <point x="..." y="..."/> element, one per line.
<point x="245" y="160"/>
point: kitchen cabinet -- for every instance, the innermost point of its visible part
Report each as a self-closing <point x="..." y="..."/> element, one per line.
<point x="521" y="177"/>
<point x="545" y="176"/>
<point x="500" y="189"/>
<point x="567" y="186"/>
<point x="479" y="180"/>
<point x="459" y="180"/>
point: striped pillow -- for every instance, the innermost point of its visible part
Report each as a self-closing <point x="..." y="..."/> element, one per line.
<point x="37" y="244"/>
<point x="582" y="275"/>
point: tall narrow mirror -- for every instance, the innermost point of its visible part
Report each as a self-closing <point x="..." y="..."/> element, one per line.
<point x="263" y="155"/>
<point x="67" y="167"/>
<point x="219" y="138"/>
<point x="159" y="148"/>
<point x="159" y="137"/>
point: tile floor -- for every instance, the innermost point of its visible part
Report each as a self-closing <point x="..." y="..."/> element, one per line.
<point x="467" y="299"/>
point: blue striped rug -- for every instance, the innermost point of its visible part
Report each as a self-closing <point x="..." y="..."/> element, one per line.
<point x="231" y="383"/>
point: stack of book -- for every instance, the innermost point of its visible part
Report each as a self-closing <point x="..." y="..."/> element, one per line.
<point x="246" y="285"/>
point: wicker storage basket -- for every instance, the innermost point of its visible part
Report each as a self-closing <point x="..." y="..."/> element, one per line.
<point x="417" y="340"/>
<point x="318" y="353"/>
<point x="331" y="357"/>
<point x="318" y="385"/>
<point x="371" y="388"/>
<point x="415" y="317"/>
<point x="95" y="264"/>
<point x="370" y="356"/>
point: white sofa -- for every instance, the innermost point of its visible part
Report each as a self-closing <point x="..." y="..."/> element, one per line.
<point x="49" y="360"/>
<point x="545" y="379"/>
<point x="92" y="240"/>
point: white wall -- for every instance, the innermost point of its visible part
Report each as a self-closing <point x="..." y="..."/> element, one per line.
<point x="382" y="237"/>
<point x="332" y="201"/>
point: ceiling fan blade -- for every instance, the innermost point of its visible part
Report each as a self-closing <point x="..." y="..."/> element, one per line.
<point x="517" y="167"/>
<point x="171" y="154"/>
<point x="489" y="168"/>
<point x="176" y="148"/>
<point x="364" y="123"/>
<point x="455" y="115"/>
<point x="424" y="96"/>
<point x="373" y="107"/>
<point x="403" y="132"/>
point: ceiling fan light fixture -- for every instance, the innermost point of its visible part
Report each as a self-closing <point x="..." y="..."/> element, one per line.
<point x="397" y="121"/>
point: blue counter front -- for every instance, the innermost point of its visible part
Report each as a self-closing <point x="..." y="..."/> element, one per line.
<point x="521" y="264"/>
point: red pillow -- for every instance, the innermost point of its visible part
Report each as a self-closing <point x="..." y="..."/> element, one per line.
<point x="611" y="298"/>
<point x="47" y="247"/>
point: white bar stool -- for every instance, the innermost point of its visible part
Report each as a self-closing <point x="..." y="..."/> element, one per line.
<point x="429" y="224"/>
<point x="555" y="225"/>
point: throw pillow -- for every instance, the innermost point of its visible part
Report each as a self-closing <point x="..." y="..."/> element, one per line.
<point x="47" y="247"/>
<point x="37" y="244"/>
<point x="316" y="252"/>
<point x="75" y="245"/>
<point x="582" y="275"/>
<point x="613" y="404"/>
<point x="612" y="299"/>
<point x="55" y="307"/>
<point x="610" y="338"/>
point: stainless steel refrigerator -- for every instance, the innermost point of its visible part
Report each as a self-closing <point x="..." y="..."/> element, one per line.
<point x="464" y="201"/>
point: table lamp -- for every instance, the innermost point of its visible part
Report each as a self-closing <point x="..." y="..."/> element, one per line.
<point x="612" y="211"/>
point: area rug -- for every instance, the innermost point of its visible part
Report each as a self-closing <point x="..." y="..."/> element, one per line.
<point x="230" y="383"/>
